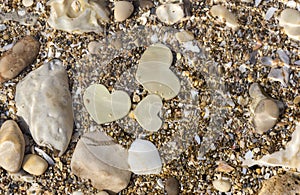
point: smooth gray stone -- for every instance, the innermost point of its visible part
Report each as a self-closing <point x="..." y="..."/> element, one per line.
<point x="44" y="103"/>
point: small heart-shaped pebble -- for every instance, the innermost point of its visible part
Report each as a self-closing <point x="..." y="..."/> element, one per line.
<point x="154" y="74"/>
<point x="105" y="107"/>
<point x="146" y="113"/>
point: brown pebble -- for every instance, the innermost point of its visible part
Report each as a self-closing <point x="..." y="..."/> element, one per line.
<point x="22" y="54"/>
<point x="172" y="186"/>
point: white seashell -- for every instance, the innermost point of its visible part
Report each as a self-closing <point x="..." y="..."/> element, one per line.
<point x="143" y="158"/>
<point x="45" y="156"/>
<point x="154" y="74"/>
<point x="223" y="13"/>
<point x="170" y="13"/>
<point x="270" y="13"/>
<point x="105" y="107"/>
<point x="146" y="113"/>
<point x="77" y="16"/>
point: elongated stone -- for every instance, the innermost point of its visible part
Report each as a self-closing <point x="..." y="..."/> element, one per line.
<point x="12" y="146"/>
<point x="44" y="102"/>
<point x="21" y="55"/>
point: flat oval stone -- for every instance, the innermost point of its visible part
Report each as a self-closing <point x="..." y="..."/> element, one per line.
<point x="21" y="55"/>
<point x="12" y="146"/>
<point x="44" y="104"/>
<point x="123" y="9"/>
<point x="34" y="164"/>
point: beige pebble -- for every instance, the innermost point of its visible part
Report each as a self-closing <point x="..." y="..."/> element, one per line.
<point x="170" y="13"/>
<point x="123" y="9"/>
<point x="223" y="13"/>
<point x="12" y="146"/>
<point x="34" y="164"/>
<point x="286" y="19"/>
<point x="222" y="185"/>
<point x="27" y="3"/>
<point x="184" y="36"/>
<point x="291" y="25"/>
<point x="265" y="110"/>
<point x="21" y="55"/>
<point x="265" y="115"/>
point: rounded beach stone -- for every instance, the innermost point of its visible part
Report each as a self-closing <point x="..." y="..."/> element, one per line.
<point x="12" y="146"/>
<point x="123" y="9"/>
<point x="222" y="185"/>
<point x="172" y="186"/>
<point x="265" y="115"/>
<point x="34" y="164"/>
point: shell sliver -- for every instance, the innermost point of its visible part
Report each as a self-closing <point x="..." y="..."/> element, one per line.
<point x="154" y="74"/>
<point x="143" y="158"/>
<point x="105" y="107"/>
<point x="146" y="113"/>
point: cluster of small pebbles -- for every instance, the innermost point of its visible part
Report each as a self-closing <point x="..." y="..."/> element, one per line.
<point x="247" y="87"/>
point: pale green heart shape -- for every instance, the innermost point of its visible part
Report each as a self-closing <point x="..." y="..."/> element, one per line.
<point x="105" y="107"/>
<point x="146" y="113"/>
<point x="154" y="74"/>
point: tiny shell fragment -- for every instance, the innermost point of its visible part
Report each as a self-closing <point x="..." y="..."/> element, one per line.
<point x="223" y="13"/>
<point x="21" y="55"/>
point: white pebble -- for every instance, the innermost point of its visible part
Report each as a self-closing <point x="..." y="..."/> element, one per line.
<point x="222" y="185"/>
<point x="27" y="3"/>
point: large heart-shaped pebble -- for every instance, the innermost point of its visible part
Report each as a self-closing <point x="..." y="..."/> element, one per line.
<point x="146" y="113"/>
<point x="154" y="74"/>
<point x="105" y="107"/>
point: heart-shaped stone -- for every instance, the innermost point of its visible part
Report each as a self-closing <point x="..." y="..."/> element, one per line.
<point x="154" y="74"/>
<point x="105" y="107"/>
<point x="146" y="113"/>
